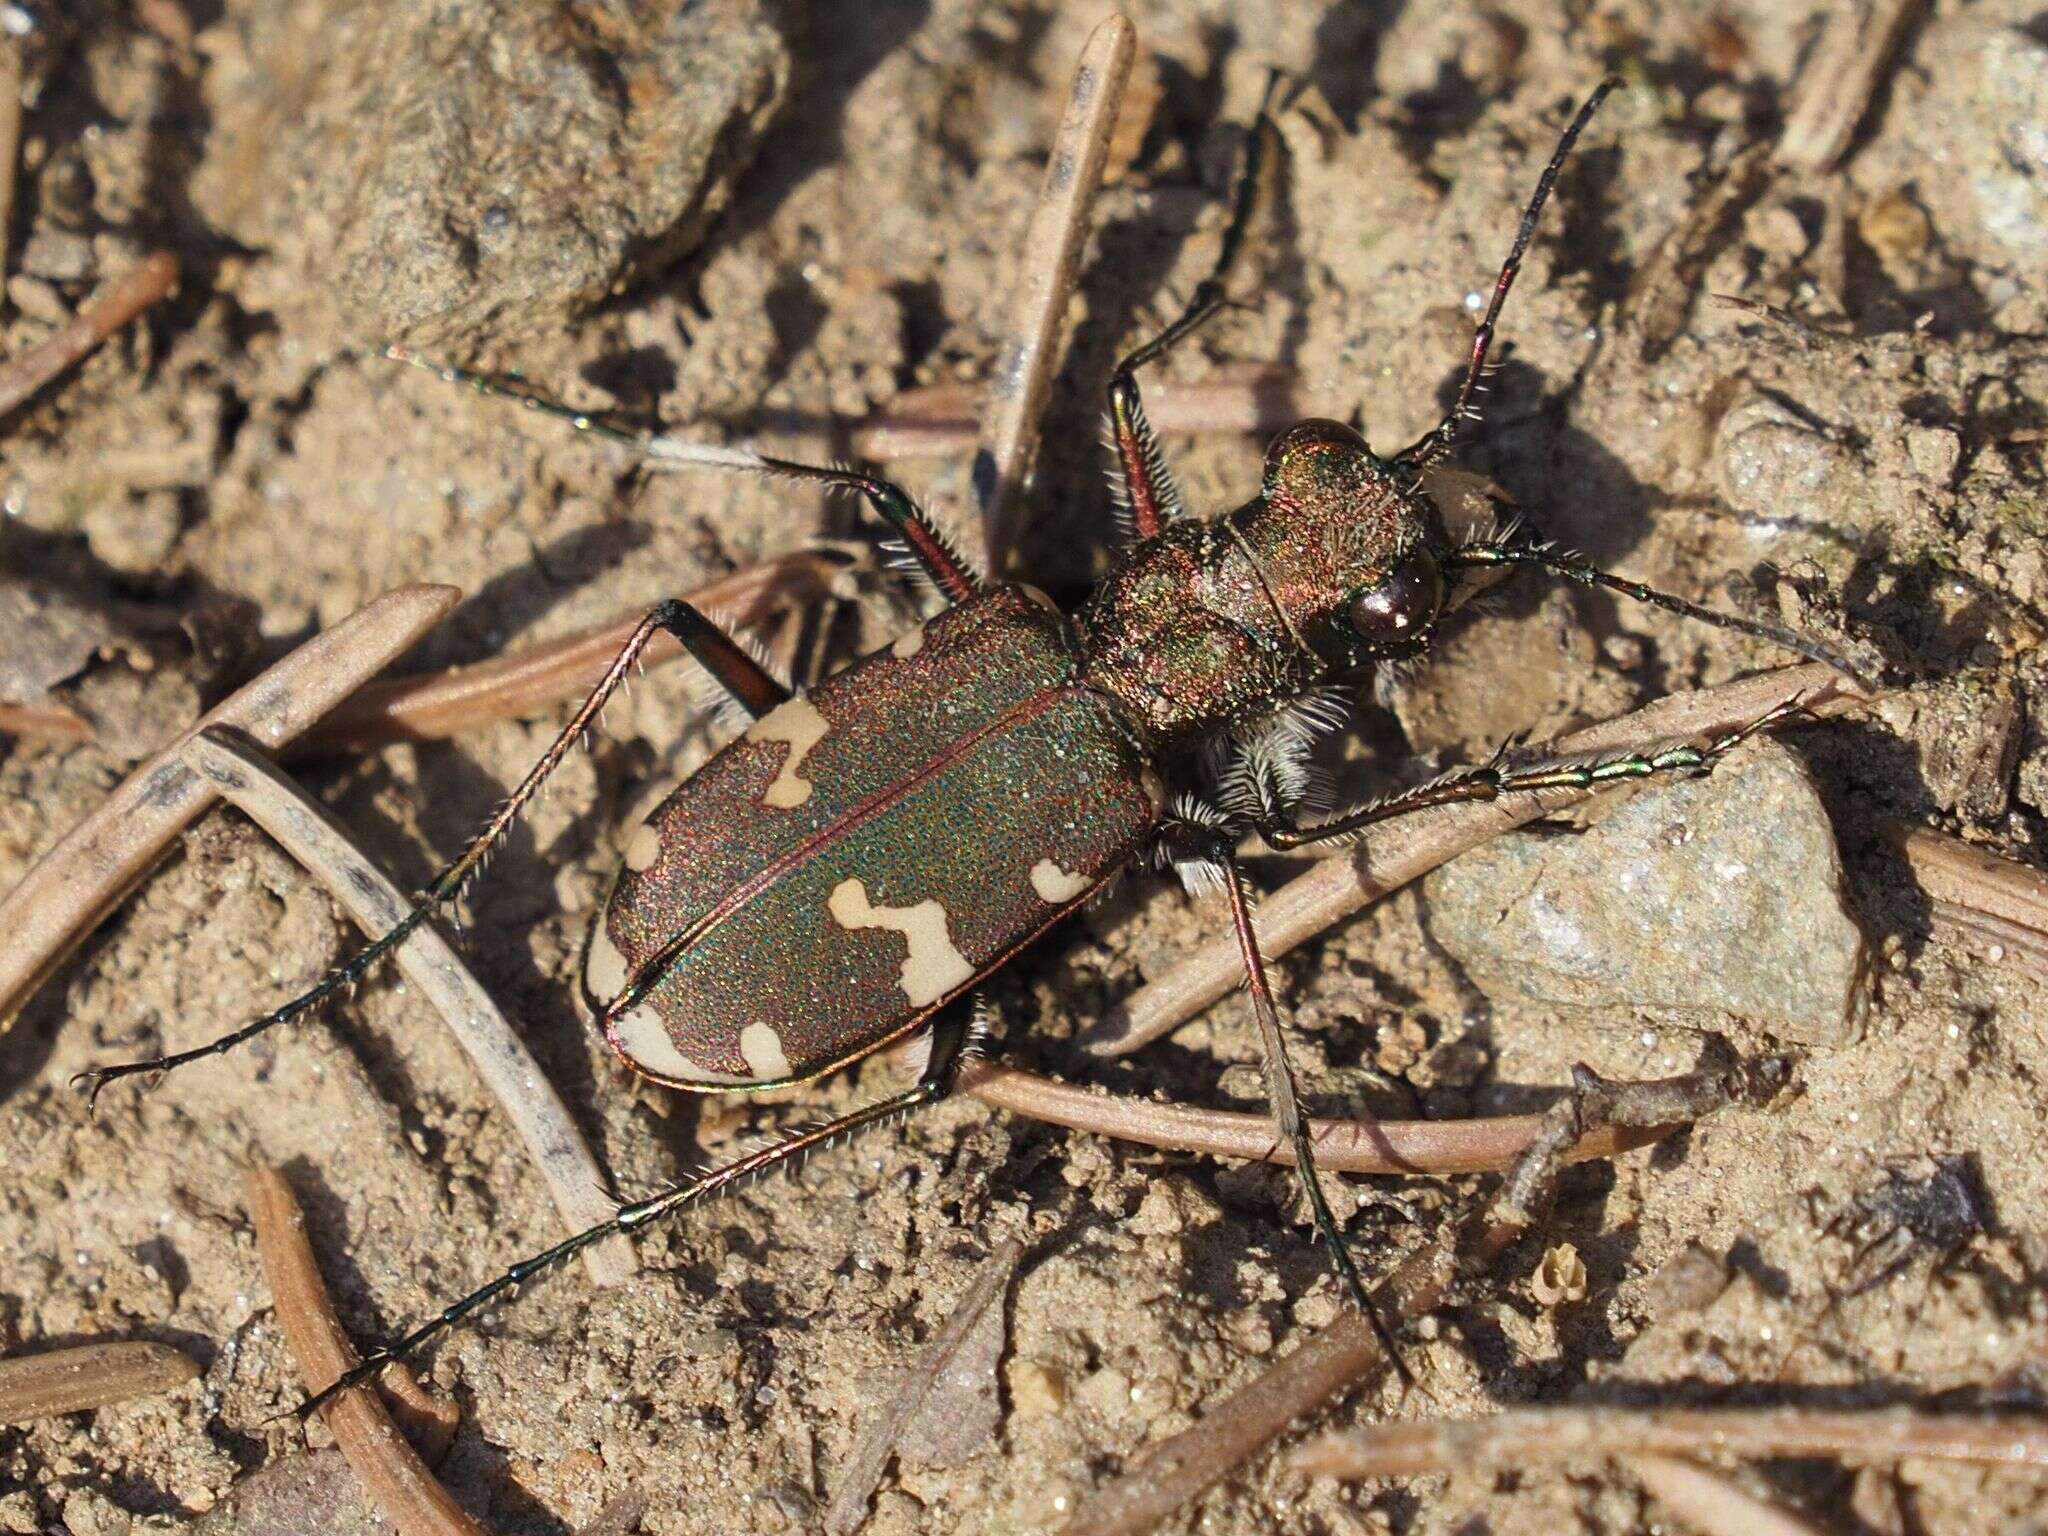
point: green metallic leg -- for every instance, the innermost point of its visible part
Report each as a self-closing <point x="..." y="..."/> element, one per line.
<point x="1153" y="498"/>
<point x="1494" y="781"/>
<point x="750" y="683"/>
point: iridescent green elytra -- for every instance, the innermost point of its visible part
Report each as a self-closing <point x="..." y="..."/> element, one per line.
<point x="867" y="851"/>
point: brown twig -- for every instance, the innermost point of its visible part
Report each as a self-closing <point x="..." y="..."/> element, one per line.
<point x="1045" y="281"/>
<point x="1390" y="856"/>
<point x="52" y="722"/>
<point x="942" y="419"/>
<point x="621" y="1515"/>
<point x="1666" y="285"/>
<point x="1346" y="1146"/>
<point x="88" y="1376"/>
<point x="243" y="776"/>
<point x="391" y="1472"/>
<point x="21" y="377"/>
<point x="1524" y="1436"/>
<point x="1979" y="893"/>
<point x="435" y="705"/>
<point x="429" y="1419"/>
<point x="1347" y="1352"/>
<point x="10" y="139"/>
<point x="1838" y="80"/>
<point x="1167" y="1475"/>
<point x="83" y="878"/>
<point x="877" y="1443"/>
<point x="1712" y="1502"/>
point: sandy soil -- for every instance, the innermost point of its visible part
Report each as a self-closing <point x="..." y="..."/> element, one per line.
<point x="238" y="455"/>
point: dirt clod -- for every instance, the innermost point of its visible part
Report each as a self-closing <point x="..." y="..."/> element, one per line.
<point x="513" y="163"/>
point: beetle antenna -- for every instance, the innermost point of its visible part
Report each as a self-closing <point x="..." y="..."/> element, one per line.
<point x="1571" y="567"/>
<point x="1440" y="438"/>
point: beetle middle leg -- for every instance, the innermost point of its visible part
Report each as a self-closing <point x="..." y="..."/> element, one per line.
<point x="954" y="1034"/>
<point x="754" y="688"/>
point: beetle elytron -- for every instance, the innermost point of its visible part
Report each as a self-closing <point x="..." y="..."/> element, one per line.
<point x="848" y="871"/>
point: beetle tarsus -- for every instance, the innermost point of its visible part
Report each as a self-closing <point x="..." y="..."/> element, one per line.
<point x="952" y="1034"/>
<point x="1287" y="1117"/>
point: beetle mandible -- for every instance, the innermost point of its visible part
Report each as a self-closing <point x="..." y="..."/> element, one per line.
<point x="848" y="871"/>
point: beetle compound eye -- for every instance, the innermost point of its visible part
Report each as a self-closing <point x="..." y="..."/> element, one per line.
<point x="1403" y="605"/>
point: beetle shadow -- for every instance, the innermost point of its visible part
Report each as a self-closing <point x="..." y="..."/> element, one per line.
<point x="522" y="595"/>
<point x="1560" y="478"/>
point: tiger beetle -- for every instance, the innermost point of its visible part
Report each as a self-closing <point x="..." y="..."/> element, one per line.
<point x="851" y="869"/>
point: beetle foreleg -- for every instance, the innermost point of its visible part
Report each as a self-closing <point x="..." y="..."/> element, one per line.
<point x="1496" y="780"/>
<point x="952" y="1035"/>
<point x="726" y="661"/>
<point x="1153" y="498"/>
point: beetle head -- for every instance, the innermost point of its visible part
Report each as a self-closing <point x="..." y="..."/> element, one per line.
<point x="1353" y="553"/>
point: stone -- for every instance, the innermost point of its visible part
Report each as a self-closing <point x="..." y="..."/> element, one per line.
<point x="486" y="167"/>
<point x="1708" y="898"/>
<point x="1685" y="1283"/>
<point x="1038" y="1390"/>
<point x="1772" y="465"/>
<point x="1982" y="131"/>
<point x="45" y="638"/>
<point x="1895" y="227"/>
<point x="303" y="1494"/>
<point x="1935" y="452"/>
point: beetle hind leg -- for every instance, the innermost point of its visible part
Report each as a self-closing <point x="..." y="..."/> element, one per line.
<point x="718" y="653"/>
<point x="928" y="547"/>
<point x="1192" y="842"/>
